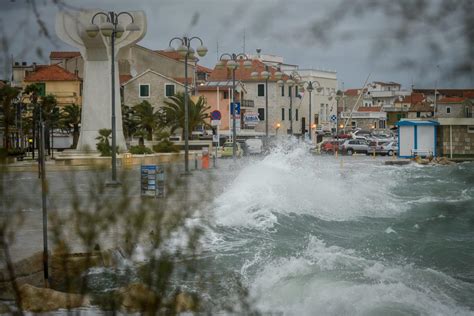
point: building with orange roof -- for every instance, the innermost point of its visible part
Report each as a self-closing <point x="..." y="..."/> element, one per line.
<point x="55" y="80"/>
<point x="279" y="114"/>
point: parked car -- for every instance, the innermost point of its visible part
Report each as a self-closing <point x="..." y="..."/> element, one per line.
<point x="228" y="149"/>
<point x="383" y="147"/>
<point x="254" y="146"/>
<point x="352" y="146"/>
<point x="390" y="148"/>
<point x="331" y="146"/>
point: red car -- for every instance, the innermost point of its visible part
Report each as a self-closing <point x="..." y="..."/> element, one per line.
<point x="330" y="146"/>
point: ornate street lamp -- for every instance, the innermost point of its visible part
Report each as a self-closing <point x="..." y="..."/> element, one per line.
<point x="111" y="28"/>
<point x="266" y="74"/>
<point x="232" y="61"/>
<point x="187" y="52"/>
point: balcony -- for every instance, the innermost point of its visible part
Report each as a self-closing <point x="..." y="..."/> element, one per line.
<point x="247" y="104"/>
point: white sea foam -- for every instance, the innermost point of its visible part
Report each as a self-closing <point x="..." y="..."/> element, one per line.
<point x="319" y="281"/>
<point x="293" y="181"/>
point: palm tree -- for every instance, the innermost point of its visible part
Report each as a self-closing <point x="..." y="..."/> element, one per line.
<point x="146" y="117"/>
<point x="7" y="96"/>
<point x="174" y="113"/>
<point x="129" y="121"/>
<point x="103" y="146"/>
<point x="70" y="120"/>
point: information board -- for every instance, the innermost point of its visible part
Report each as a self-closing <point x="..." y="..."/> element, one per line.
<point x="152" y="180"/>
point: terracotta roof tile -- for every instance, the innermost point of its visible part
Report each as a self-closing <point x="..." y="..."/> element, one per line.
<point x="203" y="69"/>
<point x="452" y="100"/>
<point x="51" y="73"/>
<point x="412" y="99"/>
<point x="63" y="55"/>
<point x="352" y="92"/>
<point x="124" y="78"/>
<point x="183" y="80"/>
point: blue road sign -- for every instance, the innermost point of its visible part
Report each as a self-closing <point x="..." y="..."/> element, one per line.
<point x="237" y="107"/>
<point x="333" y="118"/>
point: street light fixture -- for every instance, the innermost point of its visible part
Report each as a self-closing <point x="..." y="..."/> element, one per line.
<point x="232" y="61"/>
<point x="187" y="52"/>
<point x="111" y="28"/>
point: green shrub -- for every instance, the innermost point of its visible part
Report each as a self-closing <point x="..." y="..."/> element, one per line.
<point x="165" y="146"/>
<point x="140" y="150"/>
<point x="16" y="152"/>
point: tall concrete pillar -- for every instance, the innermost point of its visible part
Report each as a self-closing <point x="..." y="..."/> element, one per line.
<point x="97" y="81"/>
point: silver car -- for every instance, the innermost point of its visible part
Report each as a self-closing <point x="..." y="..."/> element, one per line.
<point x="352" y="146"/>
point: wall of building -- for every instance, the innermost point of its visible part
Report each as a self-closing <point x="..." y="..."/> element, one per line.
<point x="462" y="141"/>
<point x="216" y="101"/>
<point x="457" y="110"/>
<point x="131" y="95"/>
<point x="140" y="59"/>
<point x="66" y="92"/>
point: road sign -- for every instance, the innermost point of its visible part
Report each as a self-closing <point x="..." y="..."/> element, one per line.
<point x="216" y="115"/>
<point x="237" y="107"/>
<point x="333" y="118"/>
<point x="215" y="122"/>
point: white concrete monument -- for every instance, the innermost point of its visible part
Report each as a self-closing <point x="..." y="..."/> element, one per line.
<point x="97" y="81"/>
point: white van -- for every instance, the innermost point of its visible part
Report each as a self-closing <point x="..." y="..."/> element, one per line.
<point x="254" y="145"/>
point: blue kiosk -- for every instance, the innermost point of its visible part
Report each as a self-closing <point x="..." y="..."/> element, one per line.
<point x="416" y="138"/>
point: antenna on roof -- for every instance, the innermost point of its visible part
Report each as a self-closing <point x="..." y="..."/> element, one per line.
<point x="243" y="47"/>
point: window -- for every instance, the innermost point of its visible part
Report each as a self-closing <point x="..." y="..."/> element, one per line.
<point x="296" y="91"/>
<point x="296" y="114"/>
<point x="261" y="90"/>
<point x="470" y="129"/>
<point x="42" y="89"/>
<point x="289" y="92"/>
<point x="418" y="114"/>
<point x="144" y="90"/>
<point x="282" y="114"/>
<point x="448" y="109"/>
<point x="290" y="116"/>
<point x="169" y="90"/>
<point x="261" y="114"/>
<point x="282" y="91"/>
<point x="226" y="95"/>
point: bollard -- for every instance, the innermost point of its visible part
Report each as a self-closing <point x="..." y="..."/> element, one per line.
<point x="213" y="161"/>
<point x="373" y="155"/>
<point x="335" y="154"/>
<point x="205" y="158"/>
<point x="195" y="161"/>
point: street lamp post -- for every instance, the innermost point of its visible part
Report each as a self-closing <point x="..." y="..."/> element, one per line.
<point x="186" y="51"/>
<point x="310" y="87"/>
<point x="111" y="28"/>
<point x="233" y="61"/>
<point x="266" y="75"/>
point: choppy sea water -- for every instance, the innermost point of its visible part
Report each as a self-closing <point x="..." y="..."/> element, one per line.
<point x="314" y="235"/>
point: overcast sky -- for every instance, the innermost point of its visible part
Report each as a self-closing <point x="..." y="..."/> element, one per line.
<point x="354" y="46"/>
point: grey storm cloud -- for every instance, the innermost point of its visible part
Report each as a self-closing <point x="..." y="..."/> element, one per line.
<point x="352" y="37"/>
